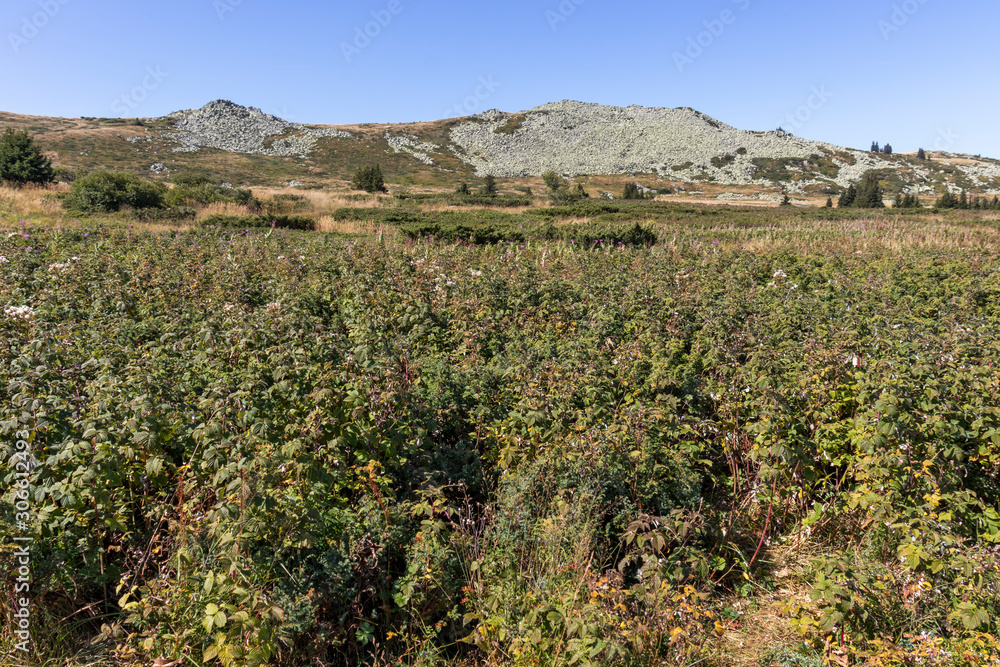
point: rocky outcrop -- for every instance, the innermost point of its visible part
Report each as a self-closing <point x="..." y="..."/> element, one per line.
<point x="237" y="129"/>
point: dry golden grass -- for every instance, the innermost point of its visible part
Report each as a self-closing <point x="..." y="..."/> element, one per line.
<point x="31" y="202"/>
<point x="224" y="208"/>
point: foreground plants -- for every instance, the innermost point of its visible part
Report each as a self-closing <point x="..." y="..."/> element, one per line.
<point x="278" y="447"/>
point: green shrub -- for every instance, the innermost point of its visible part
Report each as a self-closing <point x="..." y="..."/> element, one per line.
<point x="298" y="222"/>
<point x="199" y="192"/>
<point x="109" y="191"/>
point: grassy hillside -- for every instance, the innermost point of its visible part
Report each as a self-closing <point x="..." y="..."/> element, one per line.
<point x="89" y="144"/>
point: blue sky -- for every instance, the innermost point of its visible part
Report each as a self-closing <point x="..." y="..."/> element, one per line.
<point x="910" y="72"/>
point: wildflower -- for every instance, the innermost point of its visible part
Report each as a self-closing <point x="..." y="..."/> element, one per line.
<point x="780" y="274"/>
<point x="475" y="273"/>
<point x="26" y="313"/>
<point x="229" y="307"/>
<point x="3" y="260"/>
<point x="61" y="268"/>
<point x="273" y="307"/>
<point x="280" y="257"/>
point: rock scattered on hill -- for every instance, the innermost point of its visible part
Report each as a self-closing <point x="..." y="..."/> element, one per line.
<point x="237" y="129"/>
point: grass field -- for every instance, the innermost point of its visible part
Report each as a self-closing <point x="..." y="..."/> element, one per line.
<point x="755" y="437"/>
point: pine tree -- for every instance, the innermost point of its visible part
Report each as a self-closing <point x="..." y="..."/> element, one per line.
<point x="369" y="179"/>
<point x="875" y="147"/>
<point x="632" y="191"/>
<point x="963" y="201"/>
<point x="921" y="155"/>
<point x="848" y="197"/>
<point x="947" y="200"/>
<point x="489" y="185"/>
<point x="898" y="202"/>
<point x="870" y="192"/>
<point x="888" y="149"/>
<point x="22" y="161"/>
<point x="829" y="202"/>
<point x="463" y="189"/>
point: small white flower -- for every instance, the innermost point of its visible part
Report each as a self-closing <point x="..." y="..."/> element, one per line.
<point x="25" y="313"/>
<point x="280" y="257"/>
<point x="302" y="257"/>
<point x="780" y="274"/>
<point x="58" y="268"/>
<point x="273" y="307"/>
<point x="3" y="260"/>
<point x="475" y="273"/>
<point x="229" y="308"/>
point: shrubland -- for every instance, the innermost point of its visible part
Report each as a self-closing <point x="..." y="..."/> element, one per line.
<point x="283" y="447"/>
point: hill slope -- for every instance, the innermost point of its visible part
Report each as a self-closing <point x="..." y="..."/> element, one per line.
<point x="248" y="146"/>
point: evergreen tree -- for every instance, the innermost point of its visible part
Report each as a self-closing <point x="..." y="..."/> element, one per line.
<point x="898" y="202"/>
<point x="489" y="185"/>
<point x="875" y="147"/>
<point x="888" y="149"/>
<point x="580" y="192"/>
<point x="996" y="203"/>
<point x="21" y="160"/>
<point x="870" y="192"/>
<point x="632" y="191"/>
<point x="553" y="181"/>
<point x="829" y="202"/>
<point x="848" y="197"/>
<point x="921" y="155"/>
<point x="963" y="201"/>
<point x="369" y="179"/>
<point x="463" y="189"/>
<point x="947" y="200"/>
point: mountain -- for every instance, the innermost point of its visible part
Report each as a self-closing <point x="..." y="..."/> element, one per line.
<point x="248" y="146"/>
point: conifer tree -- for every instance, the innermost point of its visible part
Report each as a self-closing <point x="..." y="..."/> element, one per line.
<point x="848" y="197"/>
<point x="489" y="185"/>
<point x="22" y="161"/>
<point x="921" y="154"/>
<point x="829" y="202"/>
<point x="869" y="193"/>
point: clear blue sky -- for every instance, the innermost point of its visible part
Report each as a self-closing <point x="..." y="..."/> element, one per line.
<point x="914" y="72"/>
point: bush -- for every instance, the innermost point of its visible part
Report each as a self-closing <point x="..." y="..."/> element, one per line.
<point x="369" y="179"/>
<point x="21" y="160"/>
<point x="109" y="191"/>
<point x="197" y="191"/>
<point x="298" y="222"/>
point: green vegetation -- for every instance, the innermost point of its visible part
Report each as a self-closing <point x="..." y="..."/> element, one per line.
<point x="723" y="160"/>
<point x="110" y="191"/>
<point x="869" y="193"/>
<point x="22" y="161"/>
<point x="196" y="190"/>
<point x="289" y="448"/>
<point x="560" y="190"/>
<point x="259" y="221"/>
<point x="369" y="179"/>
<point x="489" y="186"/>
<point x="632" y="191"/>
